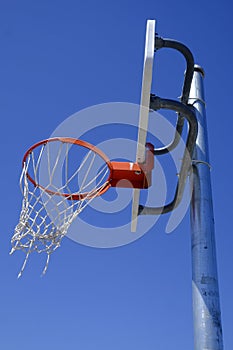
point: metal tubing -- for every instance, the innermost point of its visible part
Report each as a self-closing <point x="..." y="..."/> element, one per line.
<point x="184" y="50"/>
<point x="189" y="114"/>
<point x="206" y="305"/>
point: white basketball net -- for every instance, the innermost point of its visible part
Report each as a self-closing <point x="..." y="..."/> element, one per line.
<point x="46" y="217"/>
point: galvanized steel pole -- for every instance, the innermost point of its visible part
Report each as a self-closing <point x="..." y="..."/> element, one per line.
<point x="206" y="305"/>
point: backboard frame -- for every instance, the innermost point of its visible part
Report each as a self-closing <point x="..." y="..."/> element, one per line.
<point x="144" y="110"/>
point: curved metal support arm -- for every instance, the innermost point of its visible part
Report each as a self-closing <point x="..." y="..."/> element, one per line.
<point x="188" y="113"/>
<point x="184" y="50"/>
<point x="178" y="132"/>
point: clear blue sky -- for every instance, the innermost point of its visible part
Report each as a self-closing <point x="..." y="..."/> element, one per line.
<point x="58" y="57"/>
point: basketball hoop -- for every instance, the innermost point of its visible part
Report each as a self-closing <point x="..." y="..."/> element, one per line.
<point x="60" y="177"/>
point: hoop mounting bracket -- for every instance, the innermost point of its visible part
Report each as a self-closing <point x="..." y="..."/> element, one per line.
<point x="133" y="175"/>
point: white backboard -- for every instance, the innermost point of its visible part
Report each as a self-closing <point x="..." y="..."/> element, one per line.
<point x="144" y="110"/>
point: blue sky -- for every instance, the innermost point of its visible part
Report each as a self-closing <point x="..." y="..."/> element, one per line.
<point x="58" y="57"/>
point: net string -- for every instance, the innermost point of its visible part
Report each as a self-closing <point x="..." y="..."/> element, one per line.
<point x="37" y="229"/>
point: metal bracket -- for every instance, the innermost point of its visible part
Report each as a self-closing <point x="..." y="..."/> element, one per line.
<point x="189" y="114"/>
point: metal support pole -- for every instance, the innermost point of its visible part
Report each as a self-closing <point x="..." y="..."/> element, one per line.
<point x="206" y="305"/>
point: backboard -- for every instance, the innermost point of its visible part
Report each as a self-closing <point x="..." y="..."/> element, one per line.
<point x="144" y="110"/>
